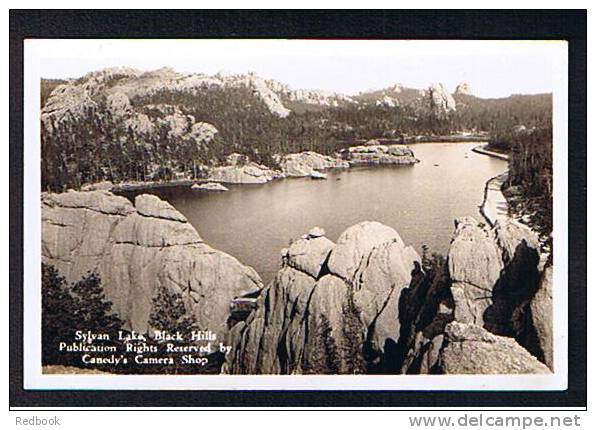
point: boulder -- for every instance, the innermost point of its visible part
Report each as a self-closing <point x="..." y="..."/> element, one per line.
<point x="380" y="154"/>
<point x="470" y="349"/>
<point x="240" y="170"/>
<point x="152" y="206"/>
<point x="355" y="244"/>
<point x="308" y="255"/>
<point x="209" y="186"/>
<point x="138" y="249"/>
<point x="308" y="162"/>
<point x="312" y="320"/>
<point x="316" y="232"/>
<point x="475" y="266"/>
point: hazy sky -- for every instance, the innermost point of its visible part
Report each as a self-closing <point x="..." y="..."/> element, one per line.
<point x="492" y="68"/>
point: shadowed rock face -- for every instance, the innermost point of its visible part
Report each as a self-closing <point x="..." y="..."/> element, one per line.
<point x="533" y="320"/>
<point x="138" y="248"/>
<point x="492" y="283"/>
<point x="323" y="295"/>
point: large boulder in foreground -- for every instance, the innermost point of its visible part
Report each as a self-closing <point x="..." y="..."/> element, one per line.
<point x="470" y="349"/>
<point x="487" y="311"/>
<point x="474" y="267"/>
<point x="332" y="308"/>
<point x="137" y="249"/>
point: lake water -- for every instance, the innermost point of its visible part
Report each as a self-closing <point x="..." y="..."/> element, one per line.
<point x="254" y="222"/>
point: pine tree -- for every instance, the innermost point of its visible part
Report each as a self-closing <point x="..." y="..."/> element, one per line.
<point x="58" y="322"/>
<point x="353" y="338"/>
<point x="169" y="314"/>
<point x="93" y="310"/>
<point x="324" y="358"/>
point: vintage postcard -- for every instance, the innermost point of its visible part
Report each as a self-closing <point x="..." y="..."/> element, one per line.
<point x="295" y="214"/>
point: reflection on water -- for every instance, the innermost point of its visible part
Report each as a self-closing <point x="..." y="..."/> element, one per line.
<point x="253" y="222"/>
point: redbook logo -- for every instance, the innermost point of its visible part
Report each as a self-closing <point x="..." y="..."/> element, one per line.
<point x="37" y="421"/>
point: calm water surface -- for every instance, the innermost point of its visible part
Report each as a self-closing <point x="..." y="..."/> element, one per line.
<point x="254" y="222"/>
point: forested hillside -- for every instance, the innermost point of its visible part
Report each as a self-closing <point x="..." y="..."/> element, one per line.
<point x="126" y="125"/>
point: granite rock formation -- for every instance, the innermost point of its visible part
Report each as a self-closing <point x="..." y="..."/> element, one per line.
<point x="305" y="163"/>
<point x="379" y="154"/>
<point x="240" y="170"/>
<point x="137" y="249"/>
<point x="369" y="304"/>
<point x="324" y="296"/>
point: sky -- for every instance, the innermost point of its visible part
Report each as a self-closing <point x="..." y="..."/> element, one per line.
<point x="492" y="68"/>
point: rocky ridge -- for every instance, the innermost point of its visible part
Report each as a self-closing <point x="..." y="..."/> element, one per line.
<point x="120" y="84"/>
<point x="365" y="304"/>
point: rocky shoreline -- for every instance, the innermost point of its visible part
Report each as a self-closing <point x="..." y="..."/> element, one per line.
<point x="239" y="169"/>
<point x="370" y="289"/>
<point x="494" y="204"/>
<point x="481" y="149"/>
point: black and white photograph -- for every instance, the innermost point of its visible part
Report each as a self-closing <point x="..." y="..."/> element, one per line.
<point x="305" y="214"/>
<point x="298" y="207"/>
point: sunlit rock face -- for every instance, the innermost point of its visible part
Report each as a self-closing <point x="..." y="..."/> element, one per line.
<point x="137" y="249"/>
<point x="323" y="295"/>
<point x="463" y="89"/>
<point x="441" y="101"/>
<point x="305" y="163"/>
<point x="240" y="170"/>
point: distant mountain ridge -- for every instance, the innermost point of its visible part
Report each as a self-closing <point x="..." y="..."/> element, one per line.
<point x="277" y="96"/>
<point x="126" y="124"/>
